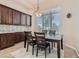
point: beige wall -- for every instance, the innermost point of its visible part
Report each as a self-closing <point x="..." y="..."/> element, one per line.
<point x="77" y="25"/>
<point x="67" y="26"/>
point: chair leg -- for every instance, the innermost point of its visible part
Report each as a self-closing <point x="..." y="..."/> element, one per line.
<point x="33" y="50"/>
<point x="49" y="49"/>
<point x="45" y="52"/>
<point x="52" y="45"/>
<point x="37" y="52"/>
<point x="27" y="47"/>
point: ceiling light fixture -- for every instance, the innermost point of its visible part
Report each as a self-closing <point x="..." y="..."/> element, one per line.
<point x="37" y="12"/>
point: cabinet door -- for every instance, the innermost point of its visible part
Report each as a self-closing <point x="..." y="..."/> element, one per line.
<point x="19" y="37"/>
<point x="5" y="15"/>
<point x="23" y="19"/>
<point x="0" y="14"/>
<point x="10" y="39"/>
<point x="21" y="34"/>
<point x="3" y="41"/>
<point x="16" y="17"/>
<point x="10" y="21"/>
<point x="28" y="20"/>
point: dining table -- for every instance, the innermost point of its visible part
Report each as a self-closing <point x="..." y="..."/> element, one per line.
<point x="53" y="38"/>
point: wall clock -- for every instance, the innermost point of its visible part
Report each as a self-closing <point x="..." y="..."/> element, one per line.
<point x="69" y="15"/>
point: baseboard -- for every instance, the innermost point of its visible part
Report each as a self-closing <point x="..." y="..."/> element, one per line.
<point x="72" y="48"/>
<point x="76" y="52"/>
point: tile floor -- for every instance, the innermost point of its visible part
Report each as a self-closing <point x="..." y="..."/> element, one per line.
<point x="5" y="53"/>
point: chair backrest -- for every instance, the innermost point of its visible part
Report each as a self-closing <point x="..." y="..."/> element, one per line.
<point x="28" y="35"/>
<point x="52" y="32"/>
<point x="40" y="38"/>
<point x="44" y="31"/>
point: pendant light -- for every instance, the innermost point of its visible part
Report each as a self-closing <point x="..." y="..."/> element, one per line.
<point x="37" y="12"/>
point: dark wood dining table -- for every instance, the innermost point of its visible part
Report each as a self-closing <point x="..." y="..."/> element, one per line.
<point x="57" y="39"/>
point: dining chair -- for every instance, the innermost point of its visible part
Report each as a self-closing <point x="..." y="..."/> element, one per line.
<point x="44" y="31"/>
<point x="30" y="41"/>
<point x="52" y="32"/>
<point x="41" y="42"/>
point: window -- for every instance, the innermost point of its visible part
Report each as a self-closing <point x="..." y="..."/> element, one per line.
<point x="49" y="21"/>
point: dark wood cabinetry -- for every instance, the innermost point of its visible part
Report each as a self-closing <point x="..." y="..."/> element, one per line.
<point x="19" y="36"/>
<point x="10" y="20"/>
<point x="3" y="41"/>
<point x="16" y="17"/>
<point x="28" y="20"/>
<point x="23" y="19"/>
<point x="4" y="15"/>
<point x="9" y="39"/>
<point x="6" y="40"/>
<point x="0" y="14"/>
<point x="9" y="16"/>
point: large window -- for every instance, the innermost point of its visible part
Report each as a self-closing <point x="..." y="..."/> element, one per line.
<point x="49" y="21"/>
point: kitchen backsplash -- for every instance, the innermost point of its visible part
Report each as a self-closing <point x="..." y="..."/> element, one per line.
<point x="13" y="28"/>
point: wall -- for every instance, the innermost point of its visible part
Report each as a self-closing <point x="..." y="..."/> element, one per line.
<point x="68" y="25"/>
<point x="77" y="25"/>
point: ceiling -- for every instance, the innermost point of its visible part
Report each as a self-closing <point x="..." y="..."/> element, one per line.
<point x="30" y="4"/>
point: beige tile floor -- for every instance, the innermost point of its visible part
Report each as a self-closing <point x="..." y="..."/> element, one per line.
<point x="69" y="53"/>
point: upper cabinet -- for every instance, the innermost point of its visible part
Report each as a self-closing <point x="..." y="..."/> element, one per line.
<point x="10" y="20"/>
<point x="9" y="16"/>
<point x="0" y="14"/>
<point x="28" y="20"/>
<point x="4" y="15"/>
<point x="23" y="19"/>
<point x="16" y="17"/>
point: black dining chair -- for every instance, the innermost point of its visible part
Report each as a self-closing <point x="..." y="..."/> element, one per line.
<point x="44" y="31"/>
<point x="30" y="41"/>
<point x="41" y="42"/>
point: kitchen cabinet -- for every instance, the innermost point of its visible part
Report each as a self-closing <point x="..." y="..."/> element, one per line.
<point x="9" y="16"/>
<point x="10" y="39"/>
<point x="28" y="20"/>
<point x="10" y="20"/>
<point x="19" y="36"/>
<point x="6" y="40"/>
<point x="4" y="15"/>
<point x="16" y="17"/>
<point x="23" y="19"/>
<point x="0" y="14"/>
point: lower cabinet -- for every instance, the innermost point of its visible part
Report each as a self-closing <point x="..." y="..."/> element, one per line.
<point x="6" y="40"/>
<point x="19" y="36"/>
<point x="3" y="41"/>
<point x="10" y="39"/>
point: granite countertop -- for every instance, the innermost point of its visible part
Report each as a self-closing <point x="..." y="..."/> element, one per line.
<point x="8" y="32"/>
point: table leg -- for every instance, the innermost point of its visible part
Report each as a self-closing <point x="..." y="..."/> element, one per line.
<point x="62" y="43"/>
<point x="24" y="43"/>
<point x="52" y="45"/>
<point x="58" y="49"/>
